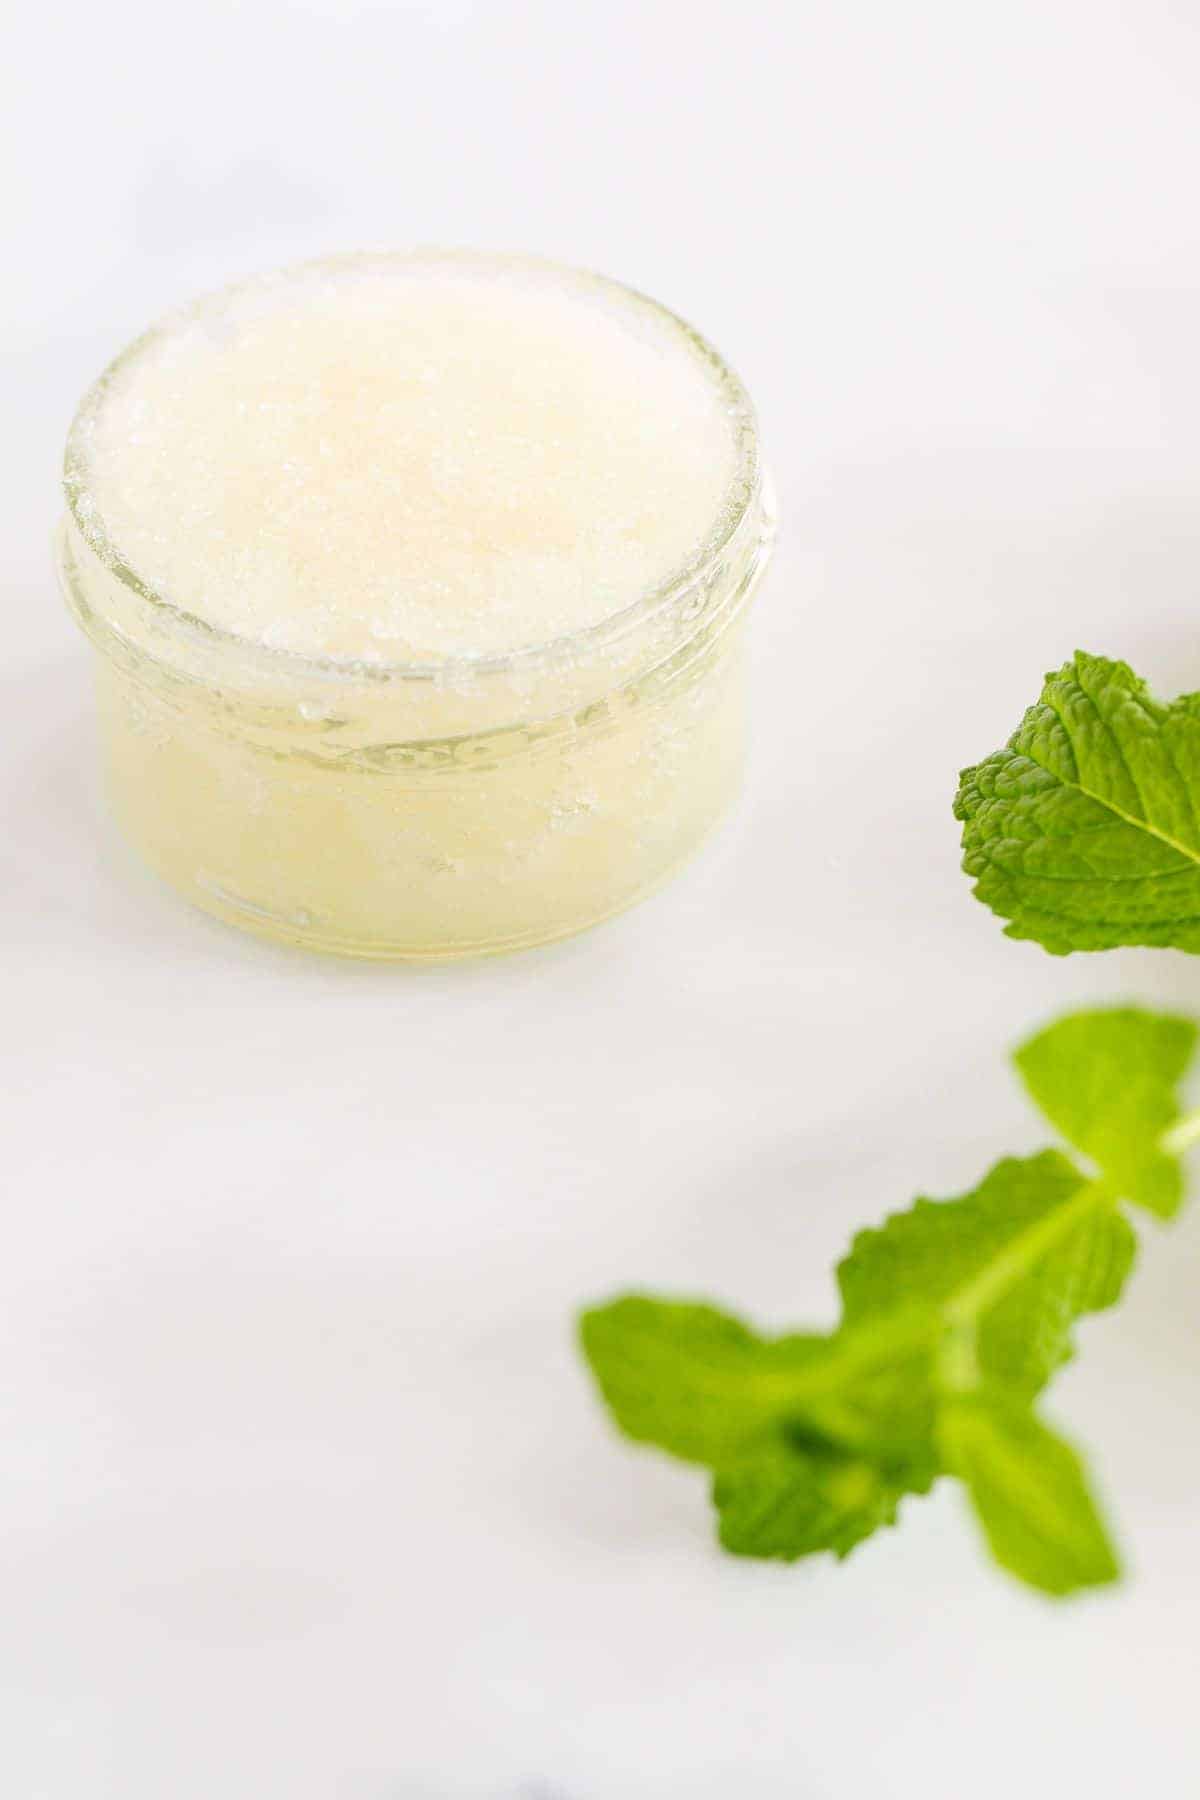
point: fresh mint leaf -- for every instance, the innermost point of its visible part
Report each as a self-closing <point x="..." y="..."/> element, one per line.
<point x="1013" y="1264"/>
<point x="927" y="1254"/>
<point x="1030" y="1493"/>
<point x="1084" y="832"/>
<point x="787" y="1503"/>
<point x="702" y="1386"/>
<point x="689" y="1378"/>
<point x="954" y="1315"/>
<point x="1108" y="1080"/>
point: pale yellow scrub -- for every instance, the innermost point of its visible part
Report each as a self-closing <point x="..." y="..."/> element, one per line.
<point x="419" y="585"/>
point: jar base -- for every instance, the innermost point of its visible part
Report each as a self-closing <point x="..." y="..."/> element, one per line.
<point x="257" y="921"/>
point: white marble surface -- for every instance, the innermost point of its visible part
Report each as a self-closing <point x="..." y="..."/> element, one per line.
<point x="302" y="1492"/>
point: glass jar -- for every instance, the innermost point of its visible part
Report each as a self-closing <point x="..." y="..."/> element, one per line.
<point x="423" y="811"/>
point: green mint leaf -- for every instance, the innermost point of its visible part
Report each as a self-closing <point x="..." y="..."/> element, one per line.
<point x="924" y="1255"/>
<point x="693" y="1380"/>
<point x="1108" y="1081"/>
<point x="1016" y="1261"/>
<point x="1084" y="832"/>
<point x="787" y="1503"/>
<point x="1030" y="1493"/>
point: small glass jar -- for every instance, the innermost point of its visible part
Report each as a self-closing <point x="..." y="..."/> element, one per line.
<point x="424" y="811"/>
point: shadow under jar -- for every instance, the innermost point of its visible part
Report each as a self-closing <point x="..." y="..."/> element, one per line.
<point x="418" y="586"/>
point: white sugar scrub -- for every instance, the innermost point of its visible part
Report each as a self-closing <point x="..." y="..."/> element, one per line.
<point x="418" y="583"/>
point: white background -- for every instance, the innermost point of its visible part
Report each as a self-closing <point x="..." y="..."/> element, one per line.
<point x="303" y="1491"/>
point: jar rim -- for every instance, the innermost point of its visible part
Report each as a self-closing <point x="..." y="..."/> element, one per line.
<point x="741" y="496"/>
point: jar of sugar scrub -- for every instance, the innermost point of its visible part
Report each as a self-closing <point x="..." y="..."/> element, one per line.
<point x="418" y="585"/>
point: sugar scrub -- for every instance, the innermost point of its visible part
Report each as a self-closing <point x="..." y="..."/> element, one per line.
<point x="418" y="584"/>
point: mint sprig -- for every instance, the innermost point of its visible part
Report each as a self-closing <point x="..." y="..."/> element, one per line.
<point x="1084" y="831"/>
<point x="955" y="1314"/>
